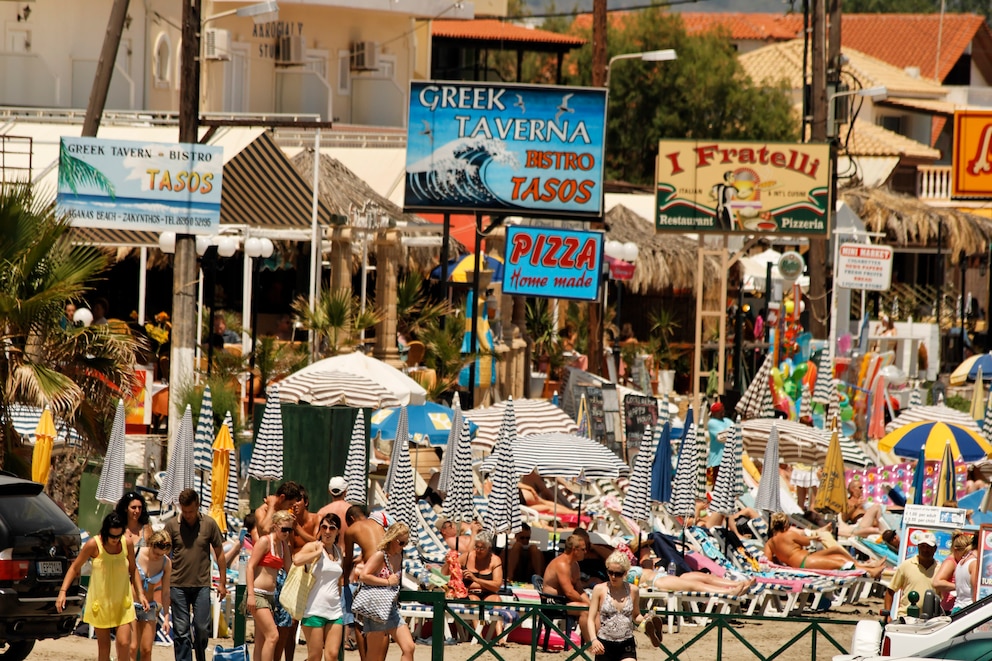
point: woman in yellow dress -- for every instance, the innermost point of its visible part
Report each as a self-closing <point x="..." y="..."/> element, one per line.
<point x="108" y="602"/>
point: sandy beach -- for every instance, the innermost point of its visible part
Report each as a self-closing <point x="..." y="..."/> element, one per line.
<point x="766" y="635"/>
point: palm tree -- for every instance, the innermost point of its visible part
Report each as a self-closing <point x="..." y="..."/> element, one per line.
<point x="336" y="319"/>
<point x="79" y="372"/>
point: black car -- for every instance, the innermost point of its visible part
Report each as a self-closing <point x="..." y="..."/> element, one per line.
<point x="38" y="542"/>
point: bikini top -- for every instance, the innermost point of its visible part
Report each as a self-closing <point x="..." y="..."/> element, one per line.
<point x="154" y="579"/>
<point x="270" y="559"/>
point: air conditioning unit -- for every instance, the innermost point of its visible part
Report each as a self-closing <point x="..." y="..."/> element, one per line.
<point x="217" y="44"/>
<point x="364" y="56"/>
<point x="291" y="49"/>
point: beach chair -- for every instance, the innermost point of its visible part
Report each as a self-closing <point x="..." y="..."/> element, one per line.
<point x="569" y="622"/>
<point x="430" y="547"/>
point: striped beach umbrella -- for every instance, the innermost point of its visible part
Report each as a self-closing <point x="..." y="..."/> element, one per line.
<point x="978" y="398"/>
<point x="824" y="377"/>
<point x="533" y="416"/>
<point x="935" y="413"/>
<point x="335" y="388"/>
<point x="458" y="502"/>
<point x="503" y="509"/>
<point x="752" y="403"/>
<point x="637" y="500"/>
<point x="448" y="459"/>
<point x="769" y="498"/>
<point x="562" y="455"/>
<point x="685" y="487"/>
<point x="834" y="408"/>
<point x="232" y="497"/>
<point x="110" y="489"/>
<point x="204" y="438"/>
<point x="729" y="479"/>
<point x="399" y="487"/>
<point x="966" y="444"/>
<point x="797" y="443"/>
<point x="25" y="420"/>
<point x="179" y="473"/>
<point x="663" y="413"/>
<point x="987" y="421"/>
<point x="806" y="404"/>
<point x="946" y="485"/>
<point x="356" y="468"/>
<point x="267" y="451"/>
<point x="915" y="396"/>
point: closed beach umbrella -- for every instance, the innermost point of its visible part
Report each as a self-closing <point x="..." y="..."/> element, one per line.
<point x="729" y="480"/>
<point x="752" y="403"/>
<point x="834" y="408"/>
<point x="110" y="488"/>
<point x="806" y="404"/>
<point x="915" y="396"/>
<point x="204" y="439"/>
<point x="356" y="468"/>
<point x="966" y="444"/>
<point x="978" y="398"/>
<point x="448" y="459"/>
<point x="876" y="426"/>
<point x="458" y="502"/>
<point x="661" y="467"/>
<point x="503" y="509"/>
<point x="637" y="502"/>
<point x="987" y="421"/>
<point x="685" y="487"/>
<point x="946" y="484"/>
<point x="920" y="477"/>
<point x="768" y="498"/>
<point x="267" y="451"/>
<point x="824" y="377"/>
<point x="41" y="456"/>
<point x="399" y="487"/>
<point x="832" y="494"/>
<point x="232" y="497"/>
<point x="179" y="473"/>
<point x="223" y="449"/>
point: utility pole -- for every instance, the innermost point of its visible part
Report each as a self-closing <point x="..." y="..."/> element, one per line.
<point x="817" y="258"/>
<point x="105" y="68"/>
<point x="184" y="267"/>
<point x="595" y="348"/>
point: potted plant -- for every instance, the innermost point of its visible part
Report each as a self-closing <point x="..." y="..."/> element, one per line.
<point x="663" y="327"/>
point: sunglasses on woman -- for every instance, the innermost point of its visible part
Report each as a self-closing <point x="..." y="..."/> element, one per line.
<point x="164" y="546"/>
<point x="328" y="528"/>
<point x="286" y="530"/>
<point x="616" y="574"/>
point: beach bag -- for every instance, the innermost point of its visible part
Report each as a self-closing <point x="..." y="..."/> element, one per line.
<point x="666" y="552"/>
<point x="239" y="653"/>
<point x="296" y="589"/>
<point x="375" y="602"/>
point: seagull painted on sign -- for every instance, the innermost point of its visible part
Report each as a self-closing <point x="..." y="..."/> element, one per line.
<point x="520" y="104"/>
<point x="427" y="128"/>
<point x="563" y="108"/>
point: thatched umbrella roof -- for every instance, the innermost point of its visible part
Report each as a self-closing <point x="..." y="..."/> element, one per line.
<point x="666" y="261"/>
<point x="343" y="191"/>
<point x="908" y="222"/>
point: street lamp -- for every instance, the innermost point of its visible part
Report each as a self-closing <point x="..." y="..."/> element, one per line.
<point x="878" y="93"/>
<point x="262" y="12"/>
<point x="665" y="55"/>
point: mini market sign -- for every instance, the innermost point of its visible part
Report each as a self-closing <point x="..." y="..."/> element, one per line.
<point x="742" y="187"/>
<point x="553" y="263"/>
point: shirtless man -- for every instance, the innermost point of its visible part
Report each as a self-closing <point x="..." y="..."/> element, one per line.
<point x="337" y="487"/>
<point x="306" y="522"/>
<point x="562" y="577"/>
<point x="789" y="546"/>
<point x="456" y="542"/>
<point x="866" y="521"/>
<point x="284" y="498"/>
<point x="366" y="534"/>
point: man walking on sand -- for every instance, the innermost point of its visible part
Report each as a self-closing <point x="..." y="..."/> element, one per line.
<point x="193" y="535"/>
<point x="366" y="534"/>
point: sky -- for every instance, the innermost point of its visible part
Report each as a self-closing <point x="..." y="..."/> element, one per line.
<point x="773" y="6"/>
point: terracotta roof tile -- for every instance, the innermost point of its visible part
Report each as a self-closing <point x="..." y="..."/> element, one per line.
<point x="871" y="140"/>
<point x="757" y="27"/>
<point x="494" y="30"/>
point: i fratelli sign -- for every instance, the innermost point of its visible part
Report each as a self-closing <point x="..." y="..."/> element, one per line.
<point x="143" y="186"/>
<point x="743" y="187"/>
<point x="505" y="149"/>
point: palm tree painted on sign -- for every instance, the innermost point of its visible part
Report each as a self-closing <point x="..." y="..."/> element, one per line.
<point x="79" y="372"/>
<point x="75" y="172"/>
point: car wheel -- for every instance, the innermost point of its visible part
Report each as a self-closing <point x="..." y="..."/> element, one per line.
<point x="17" y="651"/>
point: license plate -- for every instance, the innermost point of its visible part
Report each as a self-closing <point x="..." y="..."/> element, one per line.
<point x="47" y="568"/>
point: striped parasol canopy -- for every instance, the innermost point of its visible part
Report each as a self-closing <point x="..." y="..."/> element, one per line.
<point x="834" y="408"/>
<point x="730" y="478"/>
<point x="768" y="498"/>
<point x="987" y="421"/>
<point x="685" y="486"/>
<point x="637" y="500"/>
<point x="459" y="504"/>
<point x="179" y="473"/>
<point x="935" y="413"/>
<point x="266" y="455"/>
<point x="204" y="438"/>
<point x="399" y="486"/>
<point x="981" y="365"/>
<point x="335" y="388"/>
<point x="562" y="455"/>
<point x="915" y="396"/>
<point x="798" y="443"/>
<point x="533" y="416"/>
<point x="503" y="508"/>
<point x="447" y="460"/>
<point x="110" y="488"/>
<point x="25" y="419"/>
<point x="752" y="403"/>
<point x="356" y="467"/>
<point x="824" y="377"/>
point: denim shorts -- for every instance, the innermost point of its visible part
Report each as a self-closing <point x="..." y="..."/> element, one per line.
<point x="370" y="626"/>
<point x="150" y="615"/>
<point x="348" y="593"/>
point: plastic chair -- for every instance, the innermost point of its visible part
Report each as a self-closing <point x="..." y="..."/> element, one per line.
<point x="569" y="621"/>
<point x="414" y="353"/>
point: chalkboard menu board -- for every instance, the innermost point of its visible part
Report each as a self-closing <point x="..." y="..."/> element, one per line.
<point x="600" y="431"/>
<point x="639" y="411"/>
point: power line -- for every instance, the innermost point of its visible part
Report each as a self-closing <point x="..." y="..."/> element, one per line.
<point x="576" y="12"/>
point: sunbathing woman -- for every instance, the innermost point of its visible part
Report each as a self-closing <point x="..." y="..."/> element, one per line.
<point x="789" y="546"/>
<point x="693" y="581"/>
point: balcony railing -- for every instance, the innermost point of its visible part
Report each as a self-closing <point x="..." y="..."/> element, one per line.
<point x="933" y="182"/>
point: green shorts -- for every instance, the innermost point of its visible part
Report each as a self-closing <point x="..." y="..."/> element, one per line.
<point x="318" y="622"/>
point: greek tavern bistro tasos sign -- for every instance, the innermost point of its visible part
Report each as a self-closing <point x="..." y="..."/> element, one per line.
<point x="743" y="187"/>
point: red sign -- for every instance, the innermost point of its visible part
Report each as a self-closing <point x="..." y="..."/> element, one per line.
<point x="619" y="269"/>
